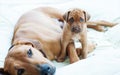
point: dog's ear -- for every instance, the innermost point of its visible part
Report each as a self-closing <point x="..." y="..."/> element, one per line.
<point x="2" y="72"/>
<point x="34" y="43"/>
<point x="87" y="16"/>
<point x="66" y="16"/>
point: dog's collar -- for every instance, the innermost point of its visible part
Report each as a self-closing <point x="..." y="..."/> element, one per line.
<point x="39" y="50"/>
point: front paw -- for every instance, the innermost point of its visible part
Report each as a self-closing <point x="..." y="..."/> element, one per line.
<point x="60" y="59"/>
<point x="84" y="55"/>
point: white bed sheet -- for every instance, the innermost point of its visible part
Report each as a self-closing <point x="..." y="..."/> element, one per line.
<point x="105" y="60"/>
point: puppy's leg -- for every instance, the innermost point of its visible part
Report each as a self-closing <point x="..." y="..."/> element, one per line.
<point x="73" y="56"/>
<point x="84" y="50"/>
<point x="65" y="39"/>
<point x="62" y="55"/>
<point x="84" y="46"/>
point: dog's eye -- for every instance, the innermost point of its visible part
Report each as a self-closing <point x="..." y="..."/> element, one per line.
<point x="29" y="53"/>
<point x="20" y="71"/>
<point x="71" y="20"/>
<point x="81" y="19"/>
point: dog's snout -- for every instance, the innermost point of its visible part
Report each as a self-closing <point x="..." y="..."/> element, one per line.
<point x="46" y="69"/>
<point x="75" y="29"/>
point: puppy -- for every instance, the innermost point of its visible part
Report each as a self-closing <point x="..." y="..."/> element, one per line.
<point x="75" y="28"/>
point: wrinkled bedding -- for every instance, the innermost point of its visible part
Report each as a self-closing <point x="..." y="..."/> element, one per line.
<point x="104" y="60"/>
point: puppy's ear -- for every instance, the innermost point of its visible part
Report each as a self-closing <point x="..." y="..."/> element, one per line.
<point x="66" y="16"/>
<point x="34" y="43"/>
<point x="2" y="72"/>
<point x="87" y="16"/>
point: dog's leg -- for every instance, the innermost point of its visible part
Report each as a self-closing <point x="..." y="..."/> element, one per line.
<point x="91" y="46"/>
<point x="65" y="39"/>
<point x="84" y="44"/>
<point x="79" y="50"/>
<point x="100" y="25"/>
<point x="84" y="49"/>
<point x="73" y="56"/>
<point x="97" y="27"/>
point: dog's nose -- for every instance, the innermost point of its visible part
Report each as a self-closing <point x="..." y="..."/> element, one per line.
<point x="75" y="29"/>
<point x="46" y="69"/>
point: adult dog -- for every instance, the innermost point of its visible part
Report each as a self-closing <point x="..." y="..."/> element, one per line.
<point x="36" y="40"/>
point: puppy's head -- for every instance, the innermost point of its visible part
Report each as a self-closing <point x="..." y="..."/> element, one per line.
<point x="76" y="19"/>
<point x="26" y="60"/>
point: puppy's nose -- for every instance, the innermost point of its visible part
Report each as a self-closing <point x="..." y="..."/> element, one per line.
<point x="46" y="69"/>
<point x="76" y="29"/>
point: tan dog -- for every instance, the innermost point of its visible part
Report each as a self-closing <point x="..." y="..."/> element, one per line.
<point x="36" y="40"/>
<point x="75" y="28"/>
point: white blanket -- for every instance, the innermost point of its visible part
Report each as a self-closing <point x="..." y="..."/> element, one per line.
<point x="105" y="60"/>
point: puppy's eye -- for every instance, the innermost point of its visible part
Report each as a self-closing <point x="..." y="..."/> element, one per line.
<point x="81" y="19"/>
<point x="71" y="20"/>
<point x="29" y="53"/>
<point x="20" y="71"/>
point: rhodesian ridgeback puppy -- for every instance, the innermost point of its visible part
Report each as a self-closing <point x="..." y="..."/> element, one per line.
<point x="36" y="41"/>
<point x="75" y="28"/>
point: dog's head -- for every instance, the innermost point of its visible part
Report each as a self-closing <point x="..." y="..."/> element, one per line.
<point x="26" y="60"/>
<point x="76" y="19"/>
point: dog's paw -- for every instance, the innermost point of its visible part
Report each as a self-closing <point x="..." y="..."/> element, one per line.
<point x="60" y="59"/>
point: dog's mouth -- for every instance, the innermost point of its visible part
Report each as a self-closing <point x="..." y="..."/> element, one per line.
<point x="76" y="29"/>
